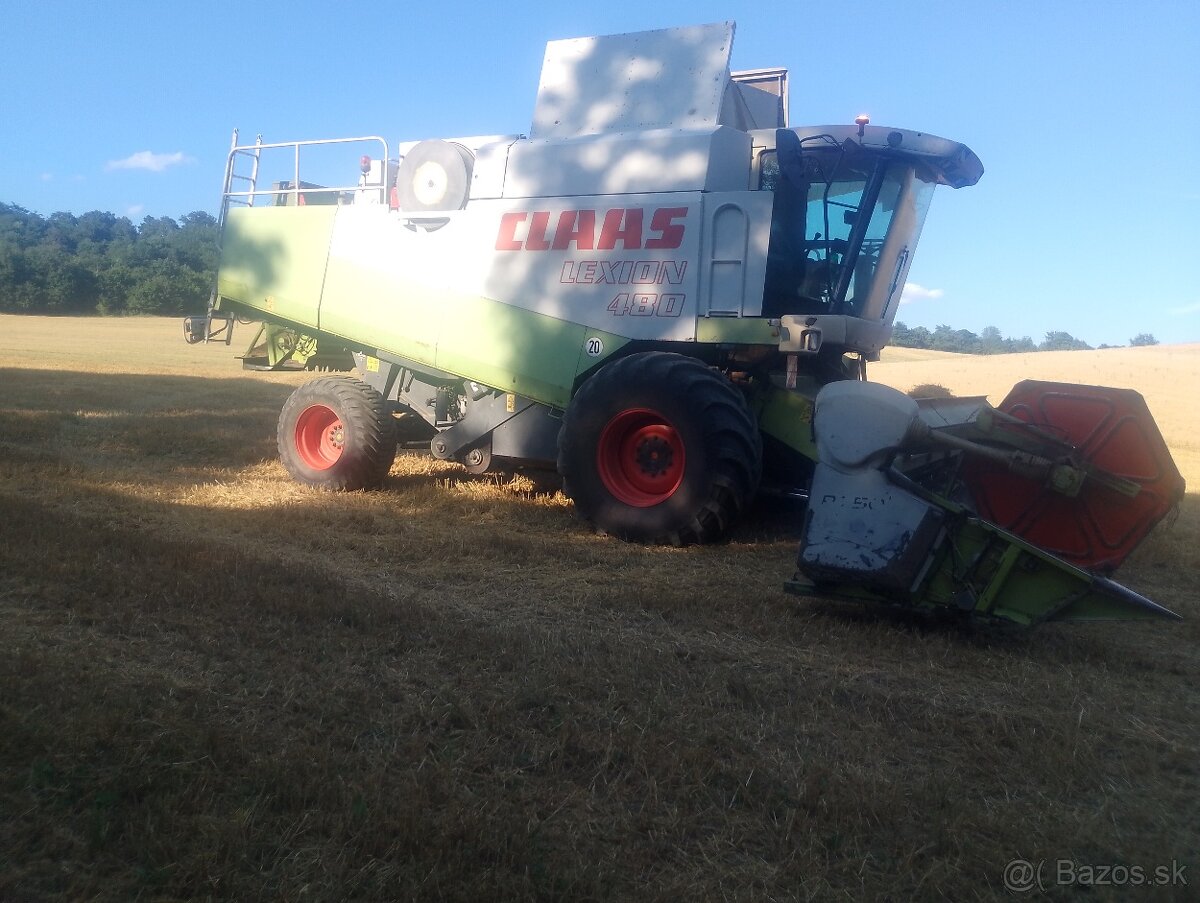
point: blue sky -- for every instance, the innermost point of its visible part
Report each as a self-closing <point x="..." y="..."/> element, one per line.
<point x="1086" y="116"/>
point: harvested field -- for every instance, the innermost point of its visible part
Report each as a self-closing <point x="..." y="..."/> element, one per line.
<point x="217" y="683"/>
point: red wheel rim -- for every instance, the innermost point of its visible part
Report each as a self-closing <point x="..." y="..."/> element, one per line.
<point x="640" y="458"/>
<point x="320" y="437"/>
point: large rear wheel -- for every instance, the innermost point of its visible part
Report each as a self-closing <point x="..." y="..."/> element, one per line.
<point x="659" y="448"/>
<point x="336" y="433"/>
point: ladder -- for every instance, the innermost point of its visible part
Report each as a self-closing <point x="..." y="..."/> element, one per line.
<point x="246" y="184"/>
<point x="221" y="327"/>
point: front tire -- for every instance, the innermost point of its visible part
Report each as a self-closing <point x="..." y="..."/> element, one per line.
<point x="336" y="433"/>
<point x="659" y="448"/>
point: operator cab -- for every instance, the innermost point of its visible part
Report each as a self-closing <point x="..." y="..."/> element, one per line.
<point x="849" y="204"/>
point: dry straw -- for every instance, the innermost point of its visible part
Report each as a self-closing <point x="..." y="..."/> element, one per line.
<point x="215" y="683"/>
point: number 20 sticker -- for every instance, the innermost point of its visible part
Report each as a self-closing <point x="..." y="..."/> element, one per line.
<point x="594" y="347"/>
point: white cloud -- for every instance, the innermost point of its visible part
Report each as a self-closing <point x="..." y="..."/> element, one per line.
<point x="913" y="292"/>
<point x="150" y="161"/>
<point x="134" y="209"/>
<point x="47" y="177"/>
<point x="1184" y="310"/>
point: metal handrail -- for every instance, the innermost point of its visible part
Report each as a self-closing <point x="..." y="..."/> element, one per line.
<point x="256" y="149"/>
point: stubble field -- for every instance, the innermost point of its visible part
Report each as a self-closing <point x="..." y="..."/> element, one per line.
<point x="215" y="683"/>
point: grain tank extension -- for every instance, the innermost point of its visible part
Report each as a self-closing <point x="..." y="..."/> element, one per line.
<point x="649" y="292"/>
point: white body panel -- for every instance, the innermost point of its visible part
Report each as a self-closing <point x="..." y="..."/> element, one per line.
<point x="737" y="230"/>
<point x="713" y="159"/>
<point x="632" y="83"/>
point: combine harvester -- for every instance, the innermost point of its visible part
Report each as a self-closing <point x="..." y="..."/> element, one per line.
<point x="670" y="294"/>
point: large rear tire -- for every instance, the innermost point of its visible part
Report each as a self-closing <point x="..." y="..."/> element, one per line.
<point x="659" y="448"/>
<point x="336" y="433"/>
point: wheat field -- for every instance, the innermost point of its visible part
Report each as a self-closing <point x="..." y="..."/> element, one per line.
<point x="218" y="684"/>
<point x="1165" y="375"/>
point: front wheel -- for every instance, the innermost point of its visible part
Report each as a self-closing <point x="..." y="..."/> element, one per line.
<point x="336" y="433"/>
<point x="659" y="448"/>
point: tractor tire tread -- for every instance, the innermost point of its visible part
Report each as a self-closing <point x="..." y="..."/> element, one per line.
<point x="731" y="440"/>
<point x="369" y="424"/>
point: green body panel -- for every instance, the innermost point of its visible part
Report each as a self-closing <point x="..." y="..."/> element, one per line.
<point x="736" y="331"/>
<point x="377" y="308"/>
<point x="273" y="259"/>
<point x="786" y="415"/>
<point x="518" y="350"/>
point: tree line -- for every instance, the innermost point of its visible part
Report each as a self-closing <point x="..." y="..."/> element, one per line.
<point x="992" y="341"/>
<point x="100" y="263"/>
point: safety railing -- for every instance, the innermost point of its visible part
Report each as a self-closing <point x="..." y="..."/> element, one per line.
<point x="244" y="168"/>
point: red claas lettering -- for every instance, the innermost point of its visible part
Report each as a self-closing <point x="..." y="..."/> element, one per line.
<point x="587" y="230"/>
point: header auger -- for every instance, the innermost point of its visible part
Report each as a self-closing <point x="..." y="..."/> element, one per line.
<point x="651" y="292"/>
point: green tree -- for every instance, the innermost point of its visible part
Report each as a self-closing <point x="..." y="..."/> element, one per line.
<point x="1143" y="339"/>
<point x="1063" y="341"/>
<point x="963" y="341"/>
<point x="18" y="286"/>
<point x="921" y="337"/>
<point x="100" y="263"/>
